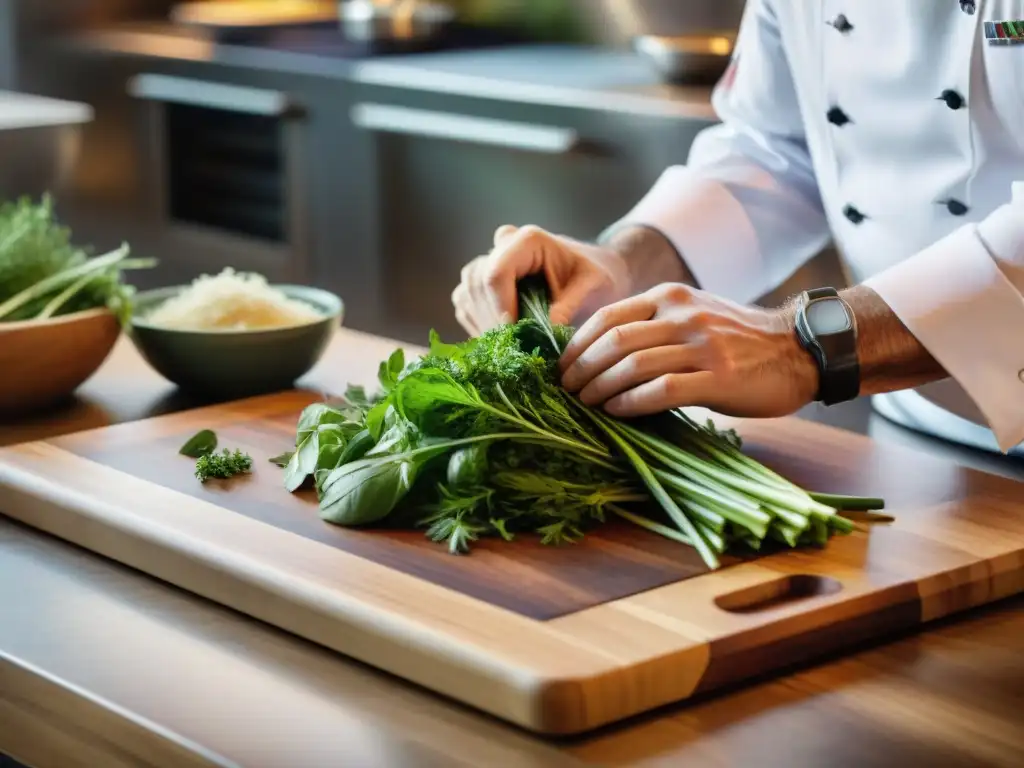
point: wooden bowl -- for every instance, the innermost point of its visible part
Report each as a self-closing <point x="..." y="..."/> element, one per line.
<point x="44" y="361"/>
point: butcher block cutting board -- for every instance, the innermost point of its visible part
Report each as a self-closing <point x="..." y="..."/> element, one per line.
<point x="557" y="640"/>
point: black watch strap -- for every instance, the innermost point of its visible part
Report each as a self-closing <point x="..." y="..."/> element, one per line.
<point x="829" y="334"/>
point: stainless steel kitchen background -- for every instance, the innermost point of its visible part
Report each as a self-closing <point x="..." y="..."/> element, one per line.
<point x="374" y="176"/>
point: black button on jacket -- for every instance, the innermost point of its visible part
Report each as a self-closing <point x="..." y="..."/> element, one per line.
<point x="953" y="99"/>
<point x="836" y="116"/>
<point x="955" y="207"/>
<point x="841" y="23"/>
<point x="855" y="216"/>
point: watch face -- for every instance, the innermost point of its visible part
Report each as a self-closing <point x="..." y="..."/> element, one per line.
<point x="827" y="316"/>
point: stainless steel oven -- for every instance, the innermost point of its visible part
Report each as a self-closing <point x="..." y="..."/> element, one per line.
<point x="224" y="168"/>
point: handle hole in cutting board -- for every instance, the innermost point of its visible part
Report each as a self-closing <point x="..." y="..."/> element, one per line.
<point x="780" y="591"/>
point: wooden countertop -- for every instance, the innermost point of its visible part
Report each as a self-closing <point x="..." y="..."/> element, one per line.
<point x="100" y="665"/>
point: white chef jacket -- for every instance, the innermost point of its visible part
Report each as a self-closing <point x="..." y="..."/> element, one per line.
<point x="895" y="127"/>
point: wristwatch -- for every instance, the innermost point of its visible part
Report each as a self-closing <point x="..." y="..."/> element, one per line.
<point x="827" y="329"/>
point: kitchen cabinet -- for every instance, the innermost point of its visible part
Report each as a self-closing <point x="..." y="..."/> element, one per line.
<point x="448" y="170"/>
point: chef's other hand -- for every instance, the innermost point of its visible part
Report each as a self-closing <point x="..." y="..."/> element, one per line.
<point x="582" y="277"/>
<point x="676" y="346"/>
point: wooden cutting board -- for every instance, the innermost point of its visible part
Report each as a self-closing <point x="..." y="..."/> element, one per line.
<point x="556" y="640"/>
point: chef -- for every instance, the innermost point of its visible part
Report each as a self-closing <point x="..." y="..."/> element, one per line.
<point x="891" y="126"/>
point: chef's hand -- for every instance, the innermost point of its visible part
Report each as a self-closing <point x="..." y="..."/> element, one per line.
<point x="581" y="277"/>
<point x="676" y="346"/>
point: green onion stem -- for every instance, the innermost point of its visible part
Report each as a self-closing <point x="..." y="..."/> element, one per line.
<point x="791" y="518"/>
<point x="43" y="287"/>
<point x="819" y="530"/>
<point x="752" y="518"/>
<point x="785" y="533"/>
<point x="650" y="525"/>
<point x="612" y="429"/>
<point x="701" y="512"/>
<point x="768" y="493"/>
<point x="751" y="541"/>
<point x="64" y="296"/>
<point x="841" y="524"/>
<point x="853" y="503"/>
<point x="715" y="539"/>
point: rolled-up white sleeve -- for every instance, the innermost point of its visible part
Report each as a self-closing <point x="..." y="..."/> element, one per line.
<point x="963" y="299"/>
<point x="744" y="212"/>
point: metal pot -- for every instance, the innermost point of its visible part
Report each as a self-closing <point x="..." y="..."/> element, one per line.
<point x="689" y="59"/>
<point x="619" y="22"/>
<point x="393" y="20"/>
<point x="40" y="139"/>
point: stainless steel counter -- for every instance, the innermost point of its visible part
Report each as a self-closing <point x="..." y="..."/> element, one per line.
<point x="559" y="75"/>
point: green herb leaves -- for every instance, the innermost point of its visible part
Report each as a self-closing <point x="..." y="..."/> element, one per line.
<point x="322" y="435"/>
<point x="366" y="491"/>
<point x="390" y="370"/>
<point x="478" y="439"/>
<point x="210" y="465"/>
<point x="222" y="465"/>
<point x="43" y="275"/>
<point x="468" y="466"/>
<point x="282" y="460"/>
<point x="200" y="444"/>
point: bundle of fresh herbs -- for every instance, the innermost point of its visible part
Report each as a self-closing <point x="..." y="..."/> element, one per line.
<point x="42" y="274"/>
<point x="478" y="439"/>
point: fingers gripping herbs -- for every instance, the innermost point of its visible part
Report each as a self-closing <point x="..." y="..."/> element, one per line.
<point x="478" y="439"/>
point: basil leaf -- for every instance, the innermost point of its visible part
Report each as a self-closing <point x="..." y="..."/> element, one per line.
<point x="356" y="448"/>
<point x="454" y="352"/>
<point x="313" y="416"/>
<point x="355" y="396"/>
<point x="366" y="491"/>
<point x="400" y="436"/>
<point x="303" y="463"/>
<point x="335" y="434"/>
<point x="329" y="457"/>
<point x="202" y="443"/>
<point x="421" y="395"/>
<point x="318" y="480"/>
<point x="468" y="466"/>
<point x="283" y="459"/>
<point x="390" y="370"/>
<point x="375" y="418"/>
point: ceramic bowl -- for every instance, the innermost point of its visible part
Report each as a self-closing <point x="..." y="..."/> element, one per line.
<point x="44" y="361"/>
<point x="223" y="364"/>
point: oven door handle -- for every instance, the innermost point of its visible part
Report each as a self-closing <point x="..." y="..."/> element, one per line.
<point x="202" y="93"/>
<point x="527" y="137"/>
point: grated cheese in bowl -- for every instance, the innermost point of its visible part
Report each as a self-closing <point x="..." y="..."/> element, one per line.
<point x="231" y="301"/>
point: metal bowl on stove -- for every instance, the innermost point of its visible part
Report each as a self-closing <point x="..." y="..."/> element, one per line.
<point x="394" y="20"/>
<point x="688" y="58"/>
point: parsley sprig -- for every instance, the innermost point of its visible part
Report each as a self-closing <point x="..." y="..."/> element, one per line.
<point x="202" y="447"/>
<point x="223" y="465"/>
